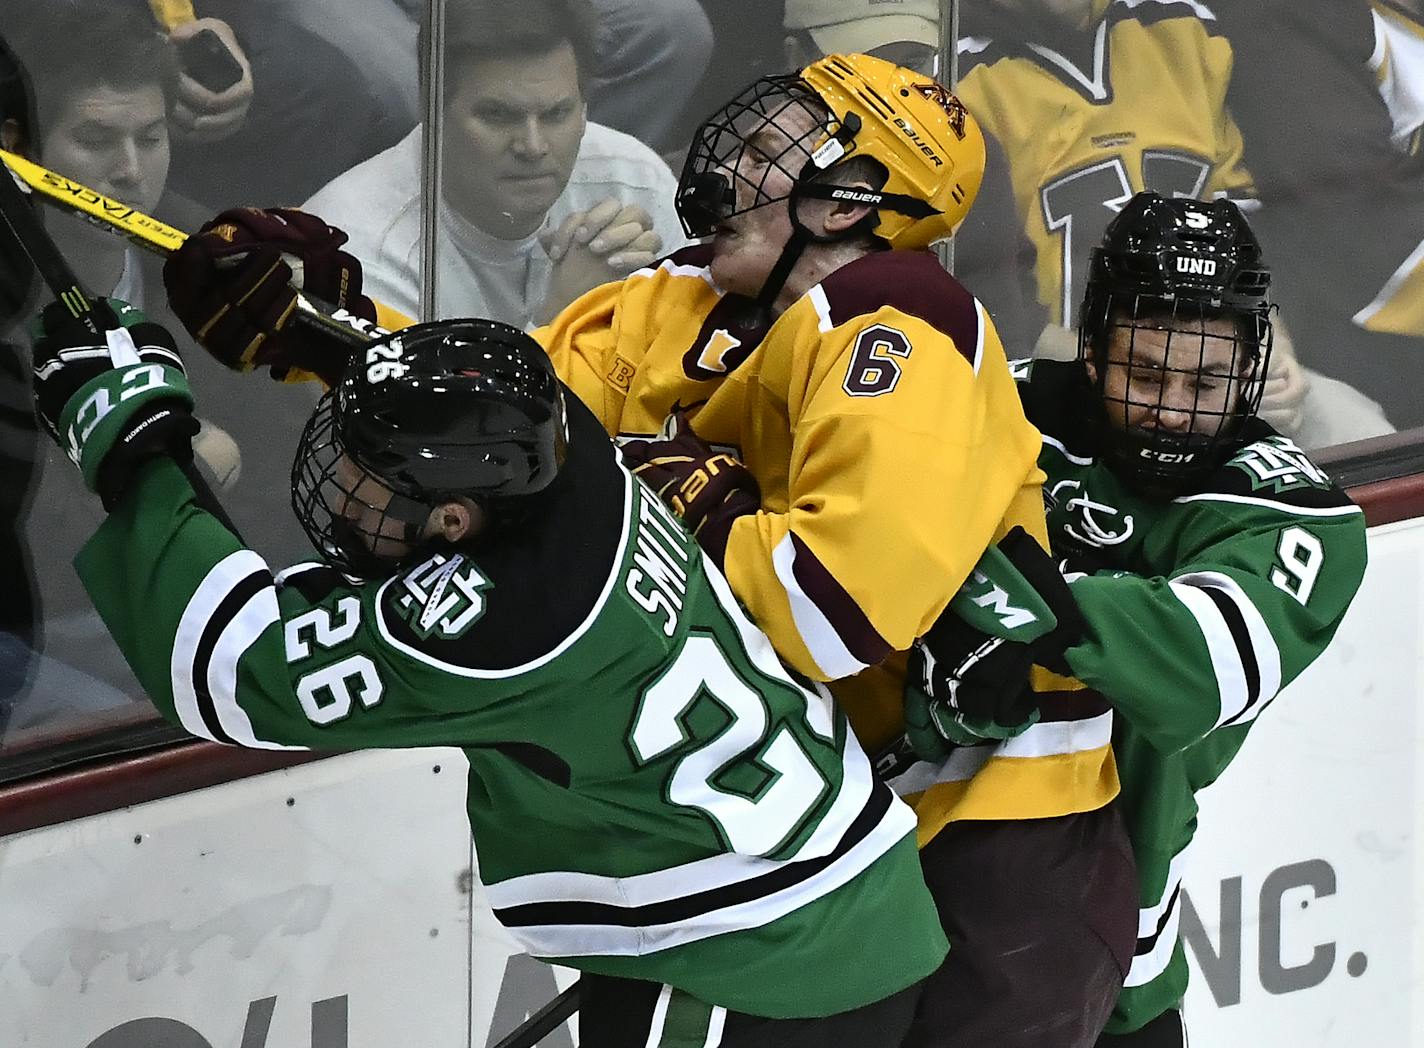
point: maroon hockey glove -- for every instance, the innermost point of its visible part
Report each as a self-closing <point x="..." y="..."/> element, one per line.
<point x="707" y="488"/>
<point x="232" y="285"/>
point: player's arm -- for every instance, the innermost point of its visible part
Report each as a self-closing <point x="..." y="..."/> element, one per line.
<point x="1256" y="596"/>
<point x="908" y="450"/>
<point x="198" y="616"/>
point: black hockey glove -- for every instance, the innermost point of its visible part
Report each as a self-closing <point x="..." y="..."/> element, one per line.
<point x="233" y="286"/>
<point x="114" y="400"/>
<point x="968" y="677"/>
<point x="707" y="488"/>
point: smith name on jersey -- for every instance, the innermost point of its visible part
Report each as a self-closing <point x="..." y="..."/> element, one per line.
<point x="651" y="794"/>
<point x="1234" y="589"/>
<point x="879" y="418"/>
<point x="1090" y="117"/>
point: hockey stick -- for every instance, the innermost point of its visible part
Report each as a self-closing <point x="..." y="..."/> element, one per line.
<point x="543" y="1022"/>
<point x="149" y="233"/>
<point x="96" y="315"/>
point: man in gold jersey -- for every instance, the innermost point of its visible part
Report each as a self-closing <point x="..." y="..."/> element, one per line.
<point x="861" y="444"/>
<point x="854" y="442"/>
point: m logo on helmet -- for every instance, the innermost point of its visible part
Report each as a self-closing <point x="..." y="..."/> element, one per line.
<point x="945" y="99"/>
<point x="1197" y="267"/>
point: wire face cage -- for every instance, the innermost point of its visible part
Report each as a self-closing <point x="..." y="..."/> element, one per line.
<point x="356" y="523"/>
<point x="754" y="150"/>
<point x="1177" y="378"/>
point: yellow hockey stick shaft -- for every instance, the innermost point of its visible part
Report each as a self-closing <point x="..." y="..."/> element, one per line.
<point x="149" y="233"/>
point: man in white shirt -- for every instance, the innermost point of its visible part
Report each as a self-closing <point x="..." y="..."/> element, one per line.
<point x="536" y="205"/>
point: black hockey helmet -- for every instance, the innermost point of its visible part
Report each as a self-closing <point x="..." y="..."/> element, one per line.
<point x="1191" y="273"/>
<point x="455" y="408"/>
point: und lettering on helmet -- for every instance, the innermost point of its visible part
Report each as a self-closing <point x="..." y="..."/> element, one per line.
<point x="453" y="409"/>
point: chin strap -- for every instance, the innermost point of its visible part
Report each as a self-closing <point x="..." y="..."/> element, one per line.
<point x="785" y="263"/>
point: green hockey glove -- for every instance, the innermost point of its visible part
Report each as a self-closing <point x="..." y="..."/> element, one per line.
<point x="968" y="678"/>
<point x="111" y="400"/>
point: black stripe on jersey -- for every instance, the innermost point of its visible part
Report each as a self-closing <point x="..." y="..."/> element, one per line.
<point x="315" y="583"/>
<point x="1071" y="705"/>
<point x="692" y="906"/>
<point x="1250" y="668"/>
<point x="543" y="762"/>
<point x="219" y="620"/>
<point x="1153" y="11"/>
<point x="1148" y="943"/>
<point x="854" y="629"/>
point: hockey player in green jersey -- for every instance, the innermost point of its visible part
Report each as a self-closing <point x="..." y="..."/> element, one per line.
<point x="1210" y="559"/>
<point x="654" y="799"/>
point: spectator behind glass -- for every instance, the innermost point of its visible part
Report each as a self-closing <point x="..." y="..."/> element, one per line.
<point x="994" y="262"/>
<point x="1094" y="100"/>
<point x="104" y="86"/>
<point x="537" y="204"/>
<point x="302" y="112"/>
<point x="649" y="56"/>
<point x="1329" y="95"/>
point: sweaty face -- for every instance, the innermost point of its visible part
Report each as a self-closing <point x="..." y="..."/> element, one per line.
<point x="512" y="132"/>
<point x="778" y="146"/>
<point x="1177" y="376"/>
<point x="113" y="140"/>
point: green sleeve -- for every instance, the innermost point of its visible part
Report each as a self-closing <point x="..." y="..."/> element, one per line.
<point x="1237" y="601"/>
<point x="224" y="651"/>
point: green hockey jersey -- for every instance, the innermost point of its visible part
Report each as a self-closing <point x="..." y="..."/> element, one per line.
<point x="651" y="794"/>
<point x="1199" y="610"/>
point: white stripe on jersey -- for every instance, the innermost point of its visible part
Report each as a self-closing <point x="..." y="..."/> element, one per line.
<point x="713" y="872"/>
<point x="1199" y="9"/>
<point x="677" y="269"/>
<point x="1040" y="740"/>
<point x="216" y="585"/>
<point x="832" y="657"/>
<point x="1283" y="507"/>
<point x="820" y="707"/>
<point x="235" y="637"/>
<point x="1057" y="445"/>
<point x="982" y="322"/>
<point x="1228" y="661"/>
<point x="659" y="1018"/>
<point x="1391" y="288"/>
<point x="817" y="295"/>
<point x="1047" y="738"/>
<point x="1166" y="914"/>
<point x="247" y="625"/>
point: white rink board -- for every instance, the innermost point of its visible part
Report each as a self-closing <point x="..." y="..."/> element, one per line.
<point x="355" y="896"/>
<point x="1312" y="841"/>
<point x="241" y="922"/>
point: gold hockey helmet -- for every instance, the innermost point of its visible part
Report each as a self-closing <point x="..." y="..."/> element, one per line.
<point x="917" y="129"/>
<point x="931" y="149"/>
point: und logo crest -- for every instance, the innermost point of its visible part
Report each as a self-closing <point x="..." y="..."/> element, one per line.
<point x="444" y="595"/>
